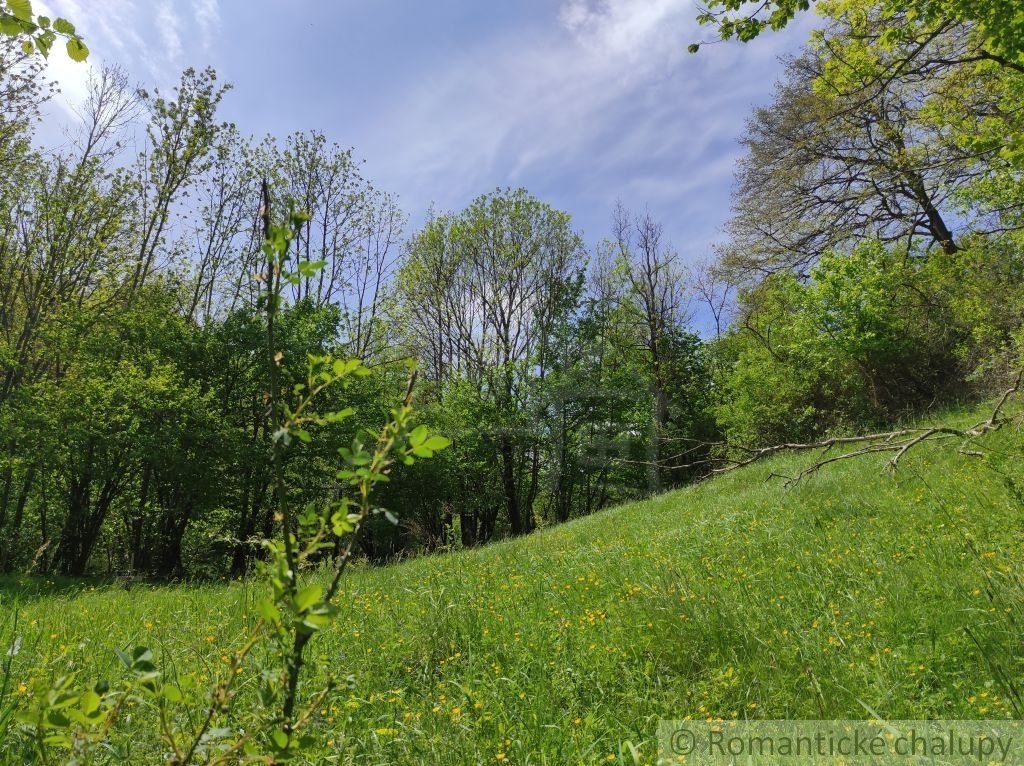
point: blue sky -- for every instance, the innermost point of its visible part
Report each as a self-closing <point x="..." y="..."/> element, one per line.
<point x="580" y="101"/>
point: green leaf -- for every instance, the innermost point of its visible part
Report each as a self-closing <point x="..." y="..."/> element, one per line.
<point x="10" y="25"/>
<point x="279" y="739"/>
<point x="316" y="621"/>
<point x="140" y="661"/>
<point x="44" y="42"/>
<point x="27" y="717"/>
<point x="77" y="50"/>
<point x="418" y="435"/>
<point x="171" y="693"/>
<point x="63" y="26"/>
<point x="21" y="9"/>
<point x="90" y="702"/>
<point x="269" y="611"/>
<point x="343" y="367"/>
<point x="58" y="740"/>
<point x="57" y="719"/>
<point x="437" y="443"/>
<point x="339" y="415"/>
<point x="307" y="597"/>
<point x="311" y="268"/>
<point x="340" y="523"/>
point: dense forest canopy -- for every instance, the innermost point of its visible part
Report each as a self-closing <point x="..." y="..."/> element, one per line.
<point x="871" y="269"/>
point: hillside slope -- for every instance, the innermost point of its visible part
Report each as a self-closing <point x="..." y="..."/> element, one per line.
<point x="734" y="598"/>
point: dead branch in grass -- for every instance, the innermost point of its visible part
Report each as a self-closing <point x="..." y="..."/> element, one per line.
<point x="898" y="442"/>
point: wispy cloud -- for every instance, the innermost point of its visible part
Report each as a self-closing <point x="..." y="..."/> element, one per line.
<point x="207" y="14"/>
<point x="146" y="37"/>
<point x="604" y="99"/>
<point x="623" y="29"/>
<point x="582" y="101"/>
<point x="531" y="101"/>
<point x="169" y="25"/>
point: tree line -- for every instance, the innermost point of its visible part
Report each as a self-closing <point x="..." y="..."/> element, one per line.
<point x="871" y="270"/>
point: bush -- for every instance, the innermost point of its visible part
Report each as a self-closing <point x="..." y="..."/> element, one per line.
<point x="871" y="336"/>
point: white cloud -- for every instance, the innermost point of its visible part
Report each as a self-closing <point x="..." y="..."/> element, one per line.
<point x="604" y="97"/>
<point x="596" y="99"/>
<point x="169" y="26"/>
<point x="123" y="32"/>
<point x="621" y="28"/>
<point x="114" y="26"/>
<point x="207" y="13"/>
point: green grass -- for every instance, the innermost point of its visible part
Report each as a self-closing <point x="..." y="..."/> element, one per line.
<point x="734" y="598"/>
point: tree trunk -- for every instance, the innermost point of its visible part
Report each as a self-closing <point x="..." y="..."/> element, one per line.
<point x="659" y="417"/>
<point x="510" y="487"/>
<point x="13" y="533"/>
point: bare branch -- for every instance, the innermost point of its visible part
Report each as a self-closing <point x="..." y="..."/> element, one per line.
<point x="898" y="442"/>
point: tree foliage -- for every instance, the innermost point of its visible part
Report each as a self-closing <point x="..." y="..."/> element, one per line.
<point x="998" y="22"/>
<point x="38" y="33"/>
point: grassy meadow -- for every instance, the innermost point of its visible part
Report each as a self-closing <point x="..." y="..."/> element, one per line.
<point x="735" y="598"/>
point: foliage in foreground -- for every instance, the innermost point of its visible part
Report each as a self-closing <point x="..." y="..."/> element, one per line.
<point x="38" y="33"/>
<point x="68" y="720"/>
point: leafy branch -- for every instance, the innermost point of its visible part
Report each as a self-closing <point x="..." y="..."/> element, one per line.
<point x="38" y="33"/>
<point x="65" y="716"/>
